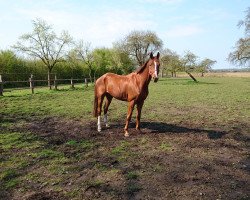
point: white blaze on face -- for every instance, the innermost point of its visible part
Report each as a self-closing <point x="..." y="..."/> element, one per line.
<point x="156" y="74"/>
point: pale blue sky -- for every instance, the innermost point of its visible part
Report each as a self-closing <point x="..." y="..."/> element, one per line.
<point x="208" y="28"/>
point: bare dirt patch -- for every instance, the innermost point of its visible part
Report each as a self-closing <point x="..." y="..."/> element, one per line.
<point x="167" y="161"/>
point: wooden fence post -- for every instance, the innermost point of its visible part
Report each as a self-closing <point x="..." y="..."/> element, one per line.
<point x="31" y="83"/>
<point x="1" y="85"/>
<point x="86" y="82"/>
<point x="72" y="83"/>
<point x="55" y="82"/>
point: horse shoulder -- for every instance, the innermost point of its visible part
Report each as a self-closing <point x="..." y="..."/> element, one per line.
<point x="133" y="87"/>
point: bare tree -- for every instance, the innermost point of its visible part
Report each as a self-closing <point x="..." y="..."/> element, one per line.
<point x="205" y="66"/>
<point x="189" y="63"/>
<point x="84" y="52"/>
<point x="44" y="44"/>
<point x="241" y="54"/>
<point x="170" y="61"/>
<point x="138" y="45"/>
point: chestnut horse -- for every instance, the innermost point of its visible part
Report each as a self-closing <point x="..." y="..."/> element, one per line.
<point x="132" y="88"/>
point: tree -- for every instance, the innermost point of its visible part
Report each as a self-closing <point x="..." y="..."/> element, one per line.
<point x="121" y="62"/>
<point x="241" y="53"/>
<point x="205" y="65"/>
<point x="72" y="61"/>
<point x="138" y="45"/>
<point x="116" y="63"/>
<point x="102" y="61"/>
<point x="170" y="61"/>
<point x="7" y="61"/>
<point x="44" y="44"/>
<point x="189" y="63"/>
<point x="84" y="52"/>
<point x="13" y="67"/>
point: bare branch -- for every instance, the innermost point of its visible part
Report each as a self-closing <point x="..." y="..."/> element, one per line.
<point x="241" y="53"/>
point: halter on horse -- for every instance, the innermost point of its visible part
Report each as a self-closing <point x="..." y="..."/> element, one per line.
<point x="132" y="88"/>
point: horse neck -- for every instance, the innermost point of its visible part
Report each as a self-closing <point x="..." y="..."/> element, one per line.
<point x="144" y="77"/>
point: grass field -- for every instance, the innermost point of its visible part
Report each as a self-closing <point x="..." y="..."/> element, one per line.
<point x="195" y="144"/>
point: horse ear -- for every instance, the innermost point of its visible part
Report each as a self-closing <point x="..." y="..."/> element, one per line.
<point x="151" y="55"/>
<point x="158" y="55"/>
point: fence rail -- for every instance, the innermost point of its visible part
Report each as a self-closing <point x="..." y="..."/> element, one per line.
<point x="32" y="82"/>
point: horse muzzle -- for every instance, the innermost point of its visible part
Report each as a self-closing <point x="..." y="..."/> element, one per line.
<point x="155" y="79"/>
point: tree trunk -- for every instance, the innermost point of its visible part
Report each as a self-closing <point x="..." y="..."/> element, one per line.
<point x="90" y="76"/>
<point x="55" y="82"/>
<point x="192" y="77"/>
<point x="49" y="79"/>
<point x="1" y="85"/>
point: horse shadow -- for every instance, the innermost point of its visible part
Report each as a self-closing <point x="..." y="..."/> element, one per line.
<point x="161" y="127"/>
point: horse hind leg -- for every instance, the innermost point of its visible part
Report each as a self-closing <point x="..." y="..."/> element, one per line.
<point x="99" y="111"/>
<point x="106" y="107"/>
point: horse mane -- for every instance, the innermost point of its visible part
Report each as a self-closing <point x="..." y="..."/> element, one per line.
<point x="141" y="68"/>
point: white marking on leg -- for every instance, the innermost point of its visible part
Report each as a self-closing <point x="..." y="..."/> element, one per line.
<point x="106" y="120"/>
<point x="126" y="133"/>
<point x="99" y="128"/>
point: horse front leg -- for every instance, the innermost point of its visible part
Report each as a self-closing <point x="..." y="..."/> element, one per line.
<point x="129" y="115"/>
<point x="106" y="107"/>
<point x="138" y="116"/>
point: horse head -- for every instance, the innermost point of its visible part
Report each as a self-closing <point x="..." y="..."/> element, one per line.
<point x="154" y="65"/>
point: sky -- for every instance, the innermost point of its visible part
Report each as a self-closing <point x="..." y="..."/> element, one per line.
<point x="208" y="28"/>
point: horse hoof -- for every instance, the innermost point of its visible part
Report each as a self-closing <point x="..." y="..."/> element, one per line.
<point x="126" y="134"/>
<point x="99" y="130"/>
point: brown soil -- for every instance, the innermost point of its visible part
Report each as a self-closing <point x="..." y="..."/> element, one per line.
<point x="197" y="164"/>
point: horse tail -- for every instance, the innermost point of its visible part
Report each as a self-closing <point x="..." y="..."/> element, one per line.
<point x="95" y="105"/>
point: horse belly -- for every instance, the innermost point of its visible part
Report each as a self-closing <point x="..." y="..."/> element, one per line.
<point x="117" y="94"/>
<point x="120" y="88"/>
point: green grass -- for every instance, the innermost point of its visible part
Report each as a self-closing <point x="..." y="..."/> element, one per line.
<point x="220" y="100"/>
<point x="165" y="146"/>
<point x="133" y="188"/>
<point x="171" y="100"/>
<point x="9" y="176"/>
<point x="132" y="175"/>
<point x="64" y="103"/>
<point x="120" y="149"/>
<point x="47" y="153"/>
<point x="95" y="183"/>
<point x="72" y="143"/>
